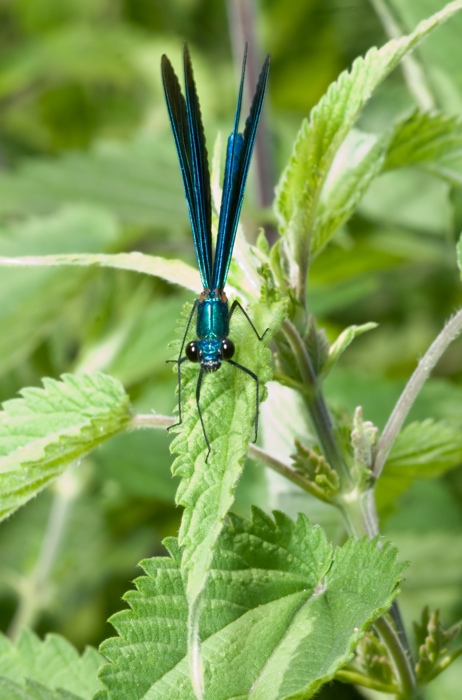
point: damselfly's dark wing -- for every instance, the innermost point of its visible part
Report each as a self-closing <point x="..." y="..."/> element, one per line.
<point x="186" y="120"/>
<point x="238" y="156"/>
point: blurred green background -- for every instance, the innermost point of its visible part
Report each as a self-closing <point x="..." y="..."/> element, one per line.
<point x="87" y="164"/>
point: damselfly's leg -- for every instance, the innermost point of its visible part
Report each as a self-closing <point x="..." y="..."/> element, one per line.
<point x="236" y="305"/>
<point x="257" y="387"/>
<point x="191" y="315"/>
<point x="180" y="361"/>
<point x="198" y="394"/>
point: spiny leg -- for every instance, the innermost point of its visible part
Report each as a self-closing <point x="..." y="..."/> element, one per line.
<point x="198" y="394"/>
<point x="257" y="386"/>
<point x="193" y="311"/>
<point x="181" y="360"/>
<point x="236" y="305"/>
<point x="179" y="363"/>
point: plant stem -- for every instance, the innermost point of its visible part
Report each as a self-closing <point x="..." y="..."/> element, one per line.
<point x="151" y="420"/>
<point x="287" y="471"/>
<point x="359" y="512"/>
<point x="412" y="389"/>
<point x="357" y="507"/>
<point x="401" y="661"/>
<point x="316" y="404"/>
<point x="353" y="676"/>
<point x="34" y="593"/>
<point x="414" y="74"/>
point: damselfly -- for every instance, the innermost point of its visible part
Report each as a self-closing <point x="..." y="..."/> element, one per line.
<point x="213" y="314"/>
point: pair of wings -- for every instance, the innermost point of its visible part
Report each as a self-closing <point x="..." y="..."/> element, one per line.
<point x="186" y="120"/>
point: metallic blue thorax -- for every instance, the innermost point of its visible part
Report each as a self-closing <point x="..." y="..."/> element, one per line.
<point x="212" y="325"/>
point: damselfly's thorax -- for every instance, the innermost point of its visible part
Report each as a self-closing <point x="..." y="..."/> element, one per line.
<point x="212" y="315"/>
<point x="212" y="329"/>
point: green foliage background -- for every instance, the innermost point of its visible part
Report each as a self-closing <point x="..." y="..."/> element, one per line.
<point x="87" y="164"/>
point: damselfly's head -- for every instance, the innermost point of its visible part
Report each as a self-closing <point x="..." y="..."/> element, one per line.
<point x="210" y="353"/>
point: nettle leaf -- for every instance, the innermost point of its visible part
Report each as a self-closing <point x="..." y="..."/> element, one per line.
<point x="137" y="182"/>
<point x="425" y="449"/>
<point x="319" y="139"/>
<point x="174" y="271"/>
<point x="48" y="429"/>
<point x="282" y="611"/>
<point x="80" y="52"/>
<point x="422" y="450"/>
<point x="227" y="402"/>
<point x="424" y="138"/>
<point x="317" y="345"/>
<point x="33" y="691"/>
<point x="436" y="650"/>
<point x="33" y="301"/>
<point x="358" y="161"/>
<point x="50" y="669"/>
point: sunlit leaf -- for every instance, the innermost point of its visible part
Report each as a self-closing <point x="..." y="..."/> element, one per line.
<point x="282" y="611"/>
<point x="320" y="138"/>
<point x="48" y="429"/>
<point x="227" y="401"/>
<point x="51" y="669"/>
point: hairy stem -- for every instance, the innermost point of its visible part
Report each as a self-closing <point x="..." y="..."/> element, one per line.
<point x="315" y="402"/>
<point x="414" y="74"/>
<point x="412" y="389"/>
<point x="151" y="420"/>
<point x="353" y="676"/>
<point x="401" y="661"/>
<point x="357" y="507"/>
<point x="287" y="471"/>
<point x="35" y="593"/>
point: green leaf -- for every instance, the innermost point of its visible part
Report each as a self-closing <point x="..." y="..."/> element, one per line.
<point x="319" y="139"/>
<point x="317" y="345"/>
<point x="174" y="271"/>
<point x="227" y="402"/>
<point x="424" y="138"/>
<point x="51" y="669"/>
<point x="33" y="691"/>
<point x="434" y="644"/>
<point x="137" y="182"/>
<point x="421" y="450"/>
<point x="48" y="429"/>
<point x="426" y="449"/>
<point x="359" y="160"/>
<point x="282" y="612"/>
<point x="439" y="57"/>
<point x="34" y="300"/>
<point x="79" y="52"/>
<point x="408" y="199"/>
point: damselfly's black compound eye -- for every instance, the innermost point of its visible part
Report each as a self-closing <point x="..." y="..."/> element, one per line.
<point x="227" y="348"/>
<point x="192" y="351"/>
